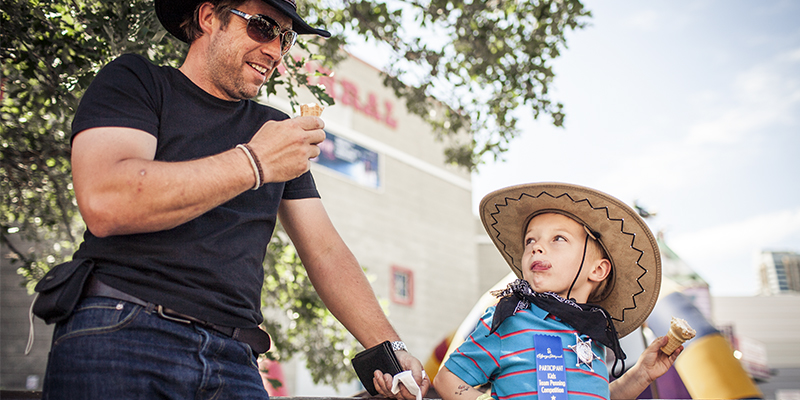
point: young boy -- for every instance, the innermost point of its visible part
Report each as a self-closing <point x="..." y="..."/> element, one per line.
<point x="591" y="272"/>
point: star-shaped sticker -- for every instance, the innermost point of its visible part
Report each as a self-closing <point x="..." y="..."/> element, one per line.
<point x="583" y="350"/>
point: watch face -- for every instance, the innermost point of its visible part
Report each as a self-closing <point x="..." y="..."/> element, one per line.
<point x="398" y="345"/>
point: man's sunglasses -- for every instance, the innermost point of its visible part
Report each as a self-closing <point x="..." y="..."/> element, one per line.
<point x="264" y="29"/>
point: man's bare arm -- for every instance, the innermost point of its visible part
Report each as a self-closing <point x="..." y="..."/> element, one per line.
<point x="121" y="189"/>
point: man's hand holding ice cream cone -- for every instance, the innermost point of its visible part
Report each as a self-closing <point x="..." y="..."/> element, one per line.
<point x="311" y="109"/>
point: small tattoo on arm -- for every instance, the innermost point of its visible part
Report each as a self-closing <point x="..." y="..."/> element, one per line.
<point x="462" y="389"/>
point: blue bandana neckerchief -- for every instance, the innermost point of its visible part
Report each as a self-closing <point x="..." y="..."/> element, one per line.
<point x="588" y="319"/>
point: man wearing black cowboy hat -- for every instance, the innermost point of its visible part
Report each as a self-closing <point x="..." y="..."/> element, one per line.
<point x="180" y="178"/>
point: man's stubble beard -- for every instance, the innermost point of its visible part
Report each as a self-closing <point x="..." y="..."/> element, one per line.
<point x="228" y="76"/>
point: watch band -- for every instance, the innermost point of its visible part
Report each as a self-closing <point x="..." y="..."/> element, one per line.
<point x="398" y="345"/>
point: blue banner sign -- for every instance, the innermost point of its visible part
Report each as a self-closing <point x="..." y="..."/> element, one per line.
<point x="357" y="163"/>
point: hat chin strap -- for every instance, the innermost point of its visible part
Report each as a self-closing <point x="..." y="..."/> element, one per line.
<point x="583" y="259"/>
<point x="619" y="355"/>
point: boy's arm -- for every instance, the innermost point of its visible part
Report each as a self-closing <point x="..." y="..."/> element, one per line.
<point x="451" y="387"/>
<point x="650" y="365"/>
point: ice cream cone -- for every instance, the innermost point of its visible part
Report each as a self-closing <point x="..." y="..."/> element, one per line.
<point x="311" y="109"/>
<point x="679" y="333"/>
<point x="674" y="343"/>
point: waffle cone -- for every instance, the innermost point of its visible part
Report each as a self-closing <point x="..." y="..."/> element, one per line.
<point x="674" y="343"/>
<point x="679" y="332"/>
<point x="312" y="109"/>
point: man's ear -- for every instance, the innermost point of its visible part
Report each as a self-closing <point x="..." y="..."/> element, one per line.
<point x="600" y="270"/>
<point x="206" y="18"/>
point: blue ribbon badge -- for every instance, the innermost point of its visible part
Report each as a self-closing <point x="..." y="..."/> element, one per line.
<point x="550" y="372"/>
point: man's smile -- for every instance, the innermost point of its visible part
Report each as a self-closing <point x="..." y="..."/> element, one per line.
<point x="261" y="69"/>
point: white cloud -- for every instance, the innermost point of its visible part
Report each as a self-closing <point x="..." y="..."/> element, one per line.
<point x="661" y="167"/>
<point x="763" y="95"/>
<point x="646" y="20"/>
<point x="792" y="55"/>
<point x="723" y="254"/>
<point x="761" y="231"/>
<point x="732" y="126"/>
<point x="730" y="122"/>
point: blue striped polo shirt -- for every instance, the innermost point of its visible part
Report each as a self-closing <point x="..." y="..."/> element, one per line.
<point x="507" y="357"/>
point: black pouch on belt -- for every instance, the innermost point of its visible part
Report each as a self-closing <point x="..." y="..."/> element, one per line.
<point x="60" y="289"/>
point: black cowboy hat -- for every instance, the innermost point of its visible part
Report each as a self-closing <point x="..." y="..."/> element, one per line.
<point x="172" y="13"/>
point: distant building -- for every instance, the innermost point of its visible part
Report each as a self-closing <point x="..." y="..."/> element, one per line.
<point x="779" y="271"/>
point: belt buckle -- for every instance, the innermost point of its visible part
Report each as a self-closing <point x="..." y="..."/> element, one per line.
<point x="170" y="318"/>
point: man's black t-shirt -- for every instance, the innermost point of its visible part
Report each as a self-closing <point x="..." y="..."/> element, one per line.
<point x="210" y="267"/>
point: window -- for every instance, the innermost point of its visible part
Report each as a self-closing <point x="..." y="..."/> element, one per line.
<point x="402" y="289"/>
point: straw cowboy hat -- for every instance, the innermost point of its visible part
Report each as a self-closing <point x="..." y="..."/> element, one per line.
<point x="172" y="13"/>
<point x="633" y="285"/>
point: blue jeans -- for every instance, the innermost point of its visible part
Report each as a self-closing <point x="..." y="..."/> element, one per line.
<point x="112" y="349"/>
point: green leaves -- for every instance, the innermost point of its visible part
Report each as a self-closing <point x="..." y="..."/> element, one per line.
<point x="482" y="60"/>
<point x="50" y="52"/>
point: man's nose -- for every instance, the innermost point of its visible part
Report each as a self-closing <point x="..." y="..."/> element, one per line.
<point x="272" y="49"/>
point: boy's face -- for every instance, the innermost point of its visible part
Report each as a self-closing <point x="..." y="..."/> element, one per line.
<point x="553" y="252"/>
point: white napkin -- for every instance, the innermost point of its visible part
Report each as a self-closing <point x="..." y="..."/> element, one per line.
<point x="408" y="381"/>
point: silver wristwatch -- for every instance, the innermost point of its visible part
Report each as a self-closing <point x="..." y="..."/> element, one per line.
<point x="398" y="345"/>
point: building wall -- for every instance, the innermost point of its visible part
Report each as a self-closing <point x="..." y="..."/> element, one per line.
<point x="492" y="267"/>
<point x="419" y="219"/>
<point x="414" y="223"/>
<point x="18" y="371"/>
<point x="772" y="320"/>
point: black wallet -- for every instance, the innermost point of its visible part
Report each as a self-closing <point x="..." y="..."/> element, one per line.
<point x="380" y="357"/>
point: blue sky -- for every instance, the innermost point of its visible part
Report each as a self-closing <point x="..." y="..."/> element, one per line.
<point x="690" y="108"/>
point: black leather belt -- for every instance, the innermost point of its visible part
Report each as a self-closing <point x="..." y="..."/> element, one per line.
<point x="258" y="339"/>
